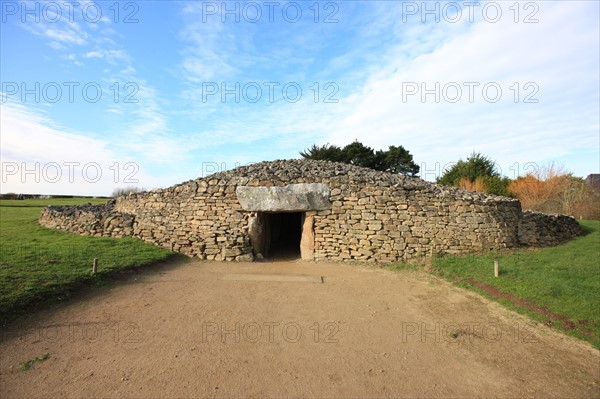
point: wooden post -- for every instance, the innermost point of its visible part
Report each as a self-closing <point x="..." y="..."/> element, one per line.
<point x="95" y="266"/>
<point x="496" y="269"/>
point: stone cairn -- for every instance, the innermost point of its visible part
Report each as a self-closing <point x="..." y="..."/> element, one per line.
<point x="371" y="216"/>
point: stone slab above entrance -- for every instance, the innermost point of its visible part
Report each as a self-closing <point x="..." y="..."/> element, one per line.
<point x="290" y="198"/>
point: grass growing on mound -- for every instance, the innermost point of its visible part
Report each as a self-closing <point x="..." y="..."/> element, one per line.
<point x="558" y="286"/>
<point x="37" y="263"/>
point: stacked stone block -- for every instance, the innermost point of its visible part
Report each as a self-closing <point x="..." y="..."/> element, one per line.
<point x="374" y="216"/>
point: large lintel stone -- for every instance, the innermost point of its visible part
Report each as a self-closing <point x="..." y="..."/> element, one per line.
<point x="290" y="198"/>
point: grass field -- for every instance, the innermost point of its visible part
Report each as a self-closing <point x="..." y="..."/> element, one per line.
<point x="38" y="263"/>
<point x="558" y="286"/>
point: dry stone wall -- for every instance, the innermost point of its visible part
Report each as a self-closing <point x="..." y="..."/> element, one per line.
<point x="89" y="220"/>
<point x="372" y="216"/>
<point x="540" y="230"/>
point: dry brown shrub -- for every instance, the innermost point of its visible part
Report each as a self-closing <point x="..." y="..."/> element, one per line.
<point x="552" y="189"/>
<point x="477" y="185"/>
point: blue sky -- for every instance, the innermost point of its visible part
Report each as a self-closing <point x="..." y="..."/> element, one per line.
<point x="106" y="94"/>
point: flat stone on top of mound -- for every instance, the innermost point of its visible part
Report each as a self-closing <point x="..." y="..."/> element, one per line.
<point x="290" y="198"/>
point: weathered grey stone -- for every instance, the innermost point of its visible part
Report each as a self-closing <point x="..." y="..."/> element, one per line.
<point x="307" y="241"/>
<point x="291" y="198"/>
<point x="540" y="230"/>
<point x="398" y="217"/>
<point x="249" y="257"/>
<point x="227" y="252"/>
<point x="257" y="235"/>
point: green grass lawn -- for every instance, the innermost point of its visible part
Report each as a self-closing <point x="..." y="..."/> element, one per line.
<point x="38" y="263"/>
<point x="558" y="286"/>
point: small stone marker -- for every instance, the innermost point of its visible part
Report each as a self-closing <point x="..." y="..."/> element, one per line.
<point x="496" y="269"/>
<point x="95" y="266"/>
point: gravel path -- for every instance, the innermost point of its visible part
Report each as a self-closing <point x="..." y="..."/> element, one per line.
<point x="289" y="329"/>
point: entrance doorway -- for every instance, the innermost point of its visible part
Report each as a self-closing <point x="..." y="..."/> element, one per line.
<point x="285" y="234"/>
<point x="277" y="235"/>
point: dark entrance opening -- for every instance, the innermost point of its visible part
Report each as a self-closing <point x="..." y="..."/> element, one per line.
<point x="284" y="232"/>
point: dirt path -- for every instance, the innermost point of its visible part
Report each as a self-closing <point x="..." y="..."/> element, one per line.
<point x="218" y="330"/>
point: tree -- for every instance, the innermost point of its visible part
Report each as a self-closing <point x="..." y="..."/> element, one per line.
<point x="497" y="185"/>
<point x="477" y="173"/>
<point x="360" y="155"/>
<point x="475" y="166"/>
<point x="394" y="160"/>
<point x="399" y="160"/>
<point x="325" y="152"/>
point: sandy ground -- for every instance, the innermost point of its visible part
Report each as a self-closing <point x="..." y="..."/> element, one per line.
<point x="198" y="329"/>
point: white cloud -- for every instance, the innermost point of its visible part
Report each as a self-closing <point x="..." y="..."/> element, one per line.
<point x="61" y="35"/>
<point x="143" y="121"/>
<point x="41" y="157"/>
<point x="559" y="55"/>
<point x="111" y="56"/>
<point x="172" y="129"/>
<point x="208" y="52"/>
<point x="67" y="36"/>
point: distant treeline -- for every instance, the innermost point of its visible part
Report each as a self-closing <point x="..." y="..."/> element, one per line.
<point x="15" y="196"/>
